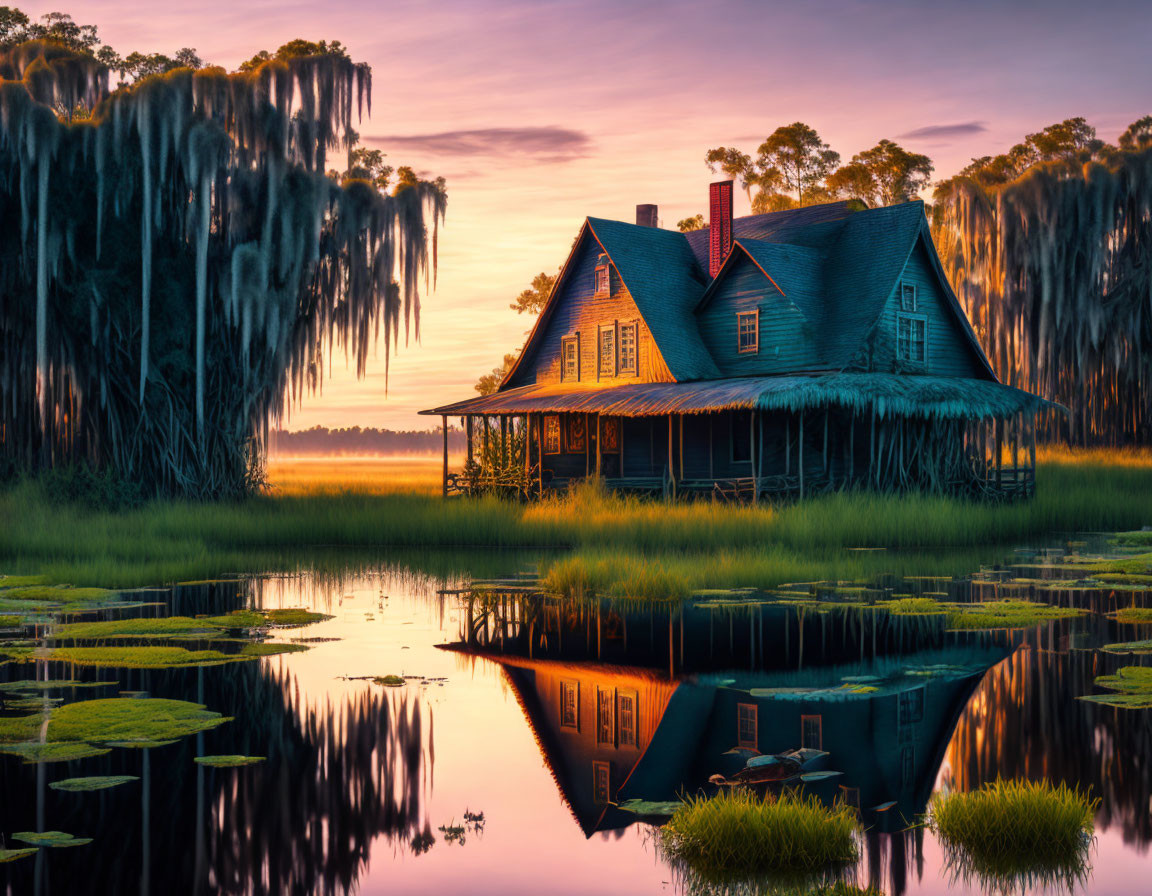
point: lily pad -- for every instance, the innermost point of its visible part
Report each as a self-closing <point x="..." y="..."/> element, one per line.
<point x="99" y="782"/>
<point x="809" y="777"/>
<point x="11" y="855"/>
<point x="651" y="808"/>
<point x="51" y="838"/>
<point x="758" y="761"/>
<point x="53" y="752"/>
<point x="228" y="761"/>
<point x="389" y="681"/>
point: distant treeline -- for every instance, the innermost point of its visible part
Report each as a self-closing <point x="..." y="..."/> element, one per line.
<point x="369" y="440"/>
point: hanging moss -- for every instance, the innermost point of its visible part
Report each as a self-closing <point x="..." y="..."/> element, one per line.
<point x="181" y="267"/>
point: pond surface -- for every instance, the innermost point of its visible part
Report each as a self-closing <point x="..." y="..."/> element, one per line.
<point x="493" y="768"/>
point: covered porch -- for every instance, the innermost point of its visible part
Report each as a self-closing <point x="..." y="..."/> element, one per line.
<point x="753" y="438"/>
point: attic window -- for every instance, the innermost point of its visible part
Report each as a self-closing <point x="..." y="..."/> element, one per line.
<point x="907" y="296"/>
<point x="912" y="339"/>
<point x="602" y="282"/>
<point x="748" y="332"/>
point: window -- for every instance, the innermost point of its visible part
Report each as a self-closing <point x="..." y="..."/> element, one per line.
<point x="911" y="707"/>
<point x="552" y="434"/>
<point x="741" y="436"/>
<point x="812" y="732"/>
<point x="570" y="704"/>
<point x="907" y="296"/>
<point x="626" y="718"/>
<point x="602" y="279"/>
<point x="747" y="729"/>
<point x="577" y="433"/>
<point x="605" y="716"/>
<point x="911" y="338"/>
<point x="850" y="796"/>
<point x="601" y="783"/>
<point x="609" y="435"/>
<point x="570" y="358"/>
<point x="607" y="351"/>
<point x="748" y="331"/>
<point x="628" y="349"/>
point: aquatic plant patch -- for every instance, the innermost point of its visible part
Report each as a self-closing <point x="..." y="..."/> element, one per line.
<point x="85" y="785"/>
<point x="1134" y="614"/>
<point x="389" y="681"/>
<point x="228" y="761"/>
<point x="1131" y="687"/>
<point x="1007" y="828"/>
<point x="33" y="753"/>
<point x="1006" y="614"/>
<point x="11" y="855"/>
<point x="737" y="832"/>
<point x="1138" y="647"/>
<point x="51" y="838"/>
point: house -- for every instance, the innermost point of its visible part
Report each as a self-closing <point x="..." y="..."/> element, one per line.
<point x="780" y="354"/>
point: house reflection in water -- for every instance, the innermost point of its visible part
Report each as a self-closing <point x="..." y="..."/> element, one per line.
<point x="611" y="732"/>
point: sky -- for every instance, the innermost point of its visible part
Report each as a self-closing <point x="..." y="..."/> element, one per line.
<point x="541" y="113"/>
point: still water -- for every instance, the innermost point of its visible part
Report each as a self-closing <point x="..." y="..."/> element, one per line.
<point x="494" y="768"/>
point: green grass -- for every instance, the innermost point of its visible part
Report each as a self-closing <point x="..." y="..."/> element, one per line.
<point x="738" y="832"/>
<point x="1009" y="828"/>
<point x="170" y="541"/>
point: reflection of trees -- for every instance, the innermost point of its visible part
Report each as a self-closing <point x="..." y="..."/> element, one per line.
<point x="338" y="776"/>
<point x="1025" y="721"/>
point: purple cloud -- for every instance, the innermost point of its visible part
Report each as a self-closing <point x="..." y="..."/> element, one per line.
<point x="540" y="144"/>
<point x="944" y="131"/>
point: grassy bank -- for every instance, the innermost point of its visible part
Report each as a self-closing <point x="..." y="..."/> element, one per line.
<point x="602" y="539"/>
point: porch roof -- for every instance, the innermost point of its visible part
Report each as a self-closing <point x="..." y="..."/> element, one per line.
<point x="888" y="394"/>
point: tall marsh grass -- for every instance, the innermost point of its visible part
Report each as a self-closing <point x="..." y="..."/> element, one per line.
<point x="738" y="832"/>
<point x="642" y="543"/>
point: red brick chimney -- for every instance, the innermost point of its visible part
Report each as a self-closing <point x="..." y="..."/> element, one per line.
<point x="646" y="216"/>
<point x="719" y="224"/>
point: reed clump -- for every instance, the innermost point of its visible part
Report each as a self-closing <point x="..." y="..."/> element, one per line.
<point x="738" y="832"/>
<point x="1009" y="828"/>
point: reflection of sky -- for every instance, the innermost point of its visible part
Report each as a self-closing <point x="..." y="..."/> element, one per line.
<point x="645" y="88"/>
<point x="486" y="759"/>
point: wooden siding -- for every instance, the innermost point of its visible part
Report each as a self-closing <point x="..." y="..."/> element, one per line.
<point x="949" y="351"/>
<point x="578" y="309"/>
<point x="787" y="339"/>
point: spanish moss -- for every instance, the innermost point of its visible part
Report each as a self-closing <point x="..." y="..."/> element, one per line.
<point x="183" y="266"/>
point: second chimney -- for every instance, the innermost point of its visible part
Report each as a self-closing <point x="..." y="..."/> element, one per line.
<point x="646" y="216"/>
<point x="719" y="224"/>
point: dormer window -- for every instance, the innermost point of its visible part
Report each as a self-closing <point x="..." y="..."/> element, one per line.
<point x="602" y="279"/>
<point x="907" y="296"/>
<point x="748" y="332"/>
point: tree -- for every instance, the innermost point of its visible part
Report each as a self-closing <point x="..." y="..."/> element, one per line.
<point x="490" y="382"/>
<point x="885" y="174"/>
<point x="533" y="299"/>
<point x="734" y="164"/>
<point x="296" y="49"/>
<point x="802" y="159"/>
<point x="687" y="225"/>
<point x="1138" y="135"/>
<point x="1072" y="140"/>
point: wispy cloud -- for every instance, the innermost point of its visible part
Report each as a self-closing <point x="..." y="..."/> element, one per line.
<point x="945" y="131"/>
<point x="540" y="144"/>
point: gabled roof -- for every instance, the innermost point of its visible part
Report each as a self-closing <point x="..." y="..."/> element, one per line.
<point x="796" y="271"/>
<point x="664" y="280"/>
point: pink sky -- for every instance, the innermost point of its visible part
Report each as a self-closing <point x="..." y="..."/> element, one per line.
<point x="540" y="113"/>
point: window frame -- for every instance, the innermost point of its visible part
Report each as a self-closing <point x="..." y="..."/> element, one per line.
<point x="570" y="686"/>
<point x="598" y="766"/>
<point x="565" y="341"/>
<point x="634" y="327"/>
<point x="910" y="317"/>
<point x="633" y="733"/>
<point x="605" y="697"/>
<point x="741" y="741"/>
<point x="905" y="305"/>
<point x="819" y="720"/>
<point x="753" y="349"/>
<point x="546" y="420"/>
<point x="603" y="268"/>
<point x="601" y="331"/>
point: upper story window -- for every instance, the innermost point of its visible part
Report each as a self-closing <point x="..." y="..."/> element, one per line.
<point x="627" y="723"/>
<point x="748" y="331"/>
<point x="605" y="716"/>
<point x="570" y="704"/>
<point x="602" y="279"/>
<point x="912" y="338"/>
<point x="747" y="728"/>
<point x="628" y="361"/>
<point x="607" y="351"/>
<point x="570" y="359"/>
<point x="907" y="296"/>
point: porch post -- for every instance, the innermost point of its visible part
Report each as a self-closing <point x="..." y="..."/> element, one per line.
<point x="587" y="445"/>
<point x="671" y="457"/>
<point x="681" y="446"/>
<point x="598" y="446"/>
<point x="800" y="455"/>
<point x="444" y="429"/>
<point x="754" y="456"/>
<point x="468" y="436"/>
<point x="540" y="448"/>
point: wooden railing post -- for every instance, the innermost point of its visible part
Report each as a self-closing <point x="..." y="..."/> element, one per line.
<point x="444" y="428"/>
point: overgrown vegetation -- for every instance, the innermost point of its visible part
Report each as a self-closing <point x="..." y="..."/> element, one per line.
<point x="739" y="832"/>
<point x="1009" y="829"/>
